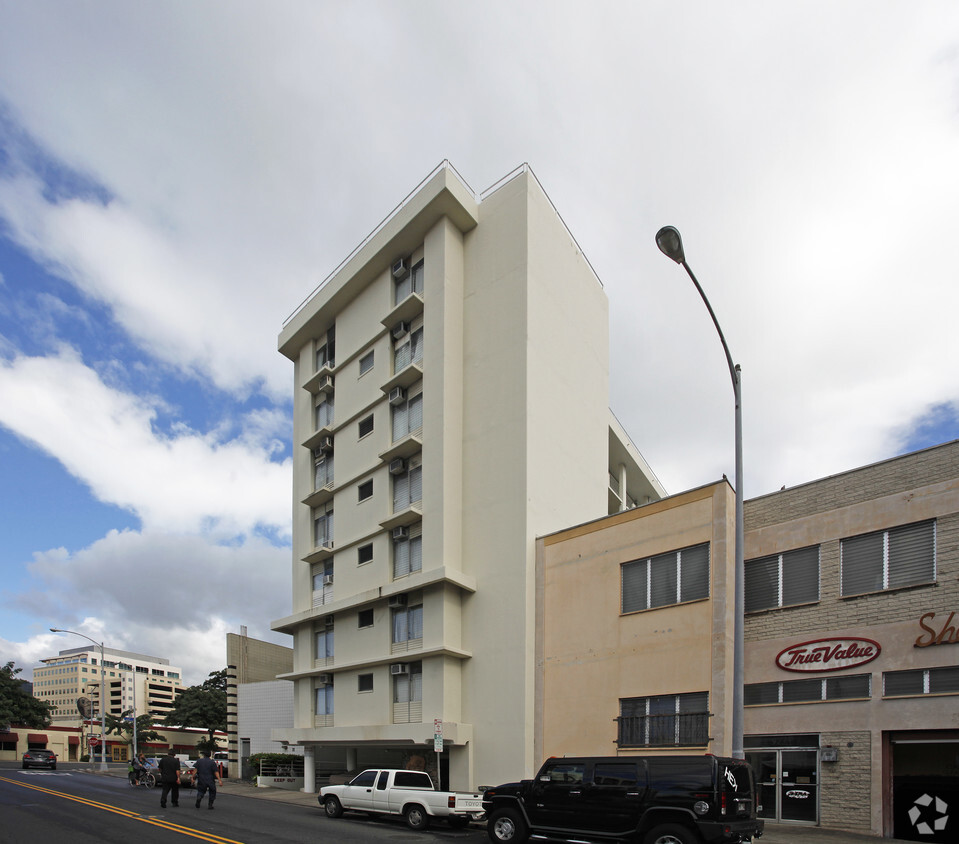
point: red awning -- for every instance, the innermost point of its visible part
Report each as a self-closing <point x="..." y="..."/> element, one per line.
<point x="73" y="739"/>
<point x="9" y="737"/>
<point x="36" y="738"/>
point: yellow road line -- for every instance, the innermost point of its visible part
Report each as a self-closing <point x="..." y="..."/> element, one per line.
<point x="183" y="830"/>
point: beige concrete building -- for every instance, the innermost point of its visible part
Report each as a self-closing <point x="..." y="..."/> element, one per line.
<point x="852" y="604"/>
<point x="456" y="369"/>
<point x="148" y="684"/>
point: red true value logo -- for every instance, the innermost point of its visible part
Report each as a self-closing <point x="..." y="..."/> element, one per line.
<point x="828" y="654"/>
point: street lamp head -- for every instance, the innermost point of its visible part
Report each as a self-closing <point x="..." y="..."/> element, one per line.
<point x="670" y="243"/>
<point x="55" y="630"/>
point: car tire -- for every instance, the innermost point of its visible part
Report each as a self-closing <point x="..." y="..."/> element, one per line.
<point x="507" y="825"/>
<point x="417" y="818"/>
<point x="332" y="807"/>
<point x="458" y="821"/>
<point x="671" y="833"/>
<point x="53" y="767"/>
<point x="25" y="766"/>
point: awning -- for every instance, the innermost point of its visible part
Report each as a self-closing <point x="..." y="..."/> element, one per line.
<point x="73" y="739"/>
<point x="36" y="738"/>
<point x="9" y="737"/>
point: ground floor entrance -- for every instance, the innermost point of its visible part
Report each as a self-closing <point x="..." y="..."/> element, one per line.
<point x="924" y="783"/>
<point x="787" y="778"/>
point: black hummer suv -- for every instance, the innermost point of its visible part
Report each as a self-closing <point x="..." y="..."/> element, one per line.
<point x="648" y="799"/>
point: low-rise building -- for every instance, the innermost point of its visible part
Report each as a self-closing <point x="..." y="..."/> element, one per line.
<point x="852" y="606"/>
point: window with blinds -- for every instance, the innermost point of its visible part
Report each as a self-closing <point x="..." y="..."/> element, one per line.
<point x="850" y="687"/>
<point x="782" y="580"/>
<point x="409" y="348"/>
<point x="889" y="559"/>
<point x="666" y="579"/>
<point x="408" y="552"/>
<point x="408" y="487"/>
<point x="407" y="417"/>
<point x="921" y="681"/>
<point x="407" y="628"/>
<point x="410" y="282"/>
<point x="408" y="695"/>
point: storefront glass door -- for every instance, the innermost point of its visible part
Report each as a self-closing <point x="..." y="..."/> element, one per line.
<point x="787" y="783"/>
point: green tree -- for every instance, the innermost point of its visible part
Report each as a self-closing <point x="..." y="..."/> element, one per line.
<point x="202" y="706"/>
<point x="16" y="706"/>
<point x="124" y="729"/>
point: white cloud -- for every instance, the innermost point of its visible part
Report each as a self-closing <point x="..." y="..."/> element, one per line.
<point x="184" y="482"/>
<point x="166" y="595"/>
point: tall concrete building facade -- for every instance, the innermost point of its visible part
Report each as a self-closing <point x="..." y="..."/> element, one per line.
<point x="148" y="684"/>
<point x="451" y="385"/>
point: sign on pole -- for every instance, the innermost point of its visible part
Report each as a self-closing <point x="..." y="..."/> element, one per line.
<point x="438" y="735"/>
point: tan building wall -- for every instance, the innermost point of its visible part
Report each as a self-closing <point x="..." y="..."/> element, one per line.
<point x="593" y="655"/>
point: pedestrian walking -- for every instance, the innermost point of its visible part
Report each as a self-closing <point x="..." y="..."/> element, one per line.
<point x="207" y="779"/>
<point x="169" y="778"/>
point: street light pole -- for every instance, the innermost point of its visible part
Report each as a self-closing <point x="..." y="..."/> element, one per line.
<point x="103" y="691"/>
<point x="670" y="243"/>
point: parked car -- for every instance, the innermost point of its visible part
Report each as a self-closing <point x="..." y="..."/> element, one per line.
<point x="408" y="794"/>
<point x="187" y="773"/>
<point x="40" y="759"/>
<point x="652" y="799"/>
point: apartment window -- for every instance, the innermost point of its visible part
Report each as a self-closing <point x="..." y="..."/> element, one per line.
<point x="782" y="579"/>
<point x="409" y="348"/>
<point x="323" y="417"/>
<point x="664" y="721"/>
<point x="323" y="584"/>
<point x="408" y="693"/>
<point x="322" y="469"/>
<point x="408" y="486"/>
<point x="364" y="683"/>
<point x="364" y="554"/>
<point x="408" y="551"/>
<point x="364" y="618"/>
<point x="407" y="416"/>
<point x="365" y="490"/>
<point x="324" y="643"/>
<point x="922" y="681"/>
<point x="889" y="559"/>
<point x="408" y="627"/>
<point x="666" y="579"/>
<point x="323" y="526"/>
<point x="324" y="699"/>
<point x="366" y="363"/>
<point x="410" y="282"/>
<point x="325" y="351"/>
<point x="851" y="687"/>
<point x="366" y="426"/>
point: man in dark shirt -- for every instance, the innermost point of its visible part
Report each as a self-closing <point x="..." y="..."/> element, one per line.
<point x="207" y="778"/>
<point x="169" y="778"/>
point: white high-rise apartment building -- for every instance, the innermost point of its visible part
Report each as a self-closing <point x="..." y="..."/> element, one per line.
<point x="451" y="385"/>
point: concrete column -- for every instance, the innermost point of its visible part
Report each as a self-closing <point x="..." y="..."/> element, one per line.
<point x="309" y="769"/>
<point x="351" y="759"/>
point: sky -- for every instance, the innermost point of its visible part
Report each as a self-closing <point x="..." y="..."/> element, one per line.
<point x="176" y="178"/>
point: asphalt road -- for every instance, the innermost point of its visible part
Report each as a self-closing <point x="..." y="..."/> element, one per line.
<point x="75" y="806"/>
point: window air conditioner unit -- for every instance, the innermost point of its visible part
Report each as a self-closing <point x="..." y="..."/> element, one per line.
<point x="327" y="579"/>
<point x="397" y="396"/>
<point x="399" y="268"/>
<point x="400" y="330"/>
<point x="401" y="533"/>
<point x="399" y="668"/>
<point x="397" y="600"/>
<point x="325" y="382"/>
<point x="325" y="679"/>
<point x="397" y="466"/>
<point x="326" y="444"/>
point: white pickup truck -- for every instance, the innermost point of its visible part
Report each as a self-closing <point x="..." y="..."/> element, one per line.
<point x="390" y="791"/>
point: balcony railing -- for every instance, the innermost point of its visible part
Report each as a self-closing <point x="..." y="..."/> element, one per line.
<point x="688" y="729"/>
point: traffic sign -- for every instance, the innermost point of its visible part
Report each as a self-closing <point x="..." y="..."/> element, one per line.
<point x="94" y="741"/>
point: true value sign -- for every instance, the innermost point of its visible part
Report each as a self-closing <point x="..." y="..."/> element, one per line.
<point x="828" y="654"/>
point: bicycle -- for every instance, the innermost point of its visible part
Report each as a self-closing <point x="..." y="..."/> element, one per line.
<point x="144" y="779"/>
